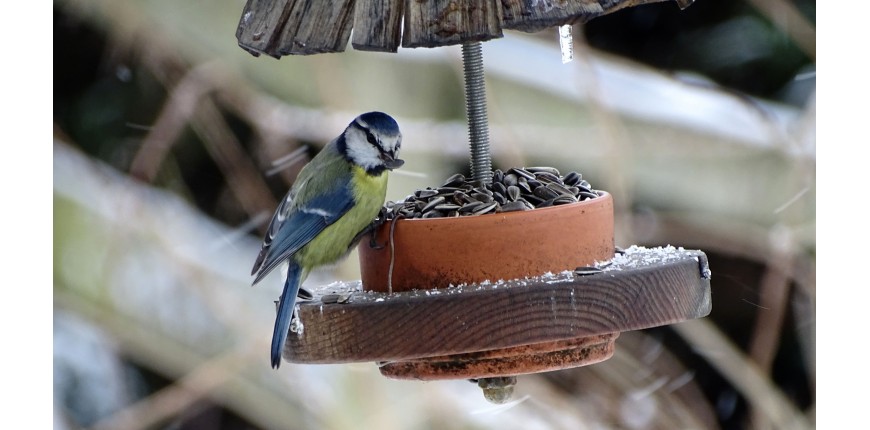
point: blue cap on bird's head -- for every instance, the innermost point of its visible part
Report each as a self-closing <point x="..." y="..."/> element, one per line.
<point x="380" y="121"/>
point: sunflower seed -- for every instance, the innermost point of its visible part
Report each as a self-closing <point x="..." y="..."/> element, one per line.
<point x="545" y="193"/>
<point x="425" y="194"/>
<point x="498" y="187"/>
<point x="515" y="189"/>
<point x="486" y="198"/>
<point x="533" y="199"/>
<point x="454" y="180"/>
<point x="547" y="177"/>
<point x="564" y="200"/>
<point x="447" y="207"/>
<point x="572" y="178"/>
<point x="561" y="189"/>
<point x="551" y="170"/>
<point x="470" y="207"/>
<point x="499" y="198"/>
<point x="497" y="176"/>
<point x="582" y="188"/>
<point x="586" y="271"/>
<point x="483" y="190"/>
<point x="522" y="173"/>
<point x="485" y="208"/>
<point x="529" y="206"/>
<point x="329" y="298"/>
<point x="460" y="198"/>
<point x="513" y="193"/>
<point x="523" y="183"/>
<point x="513" y="206"/>
<point x="432" y="203"/>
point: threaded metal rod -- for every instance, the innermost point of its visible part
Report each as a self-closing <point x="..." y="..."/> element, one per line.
<point x="475" y="110"/>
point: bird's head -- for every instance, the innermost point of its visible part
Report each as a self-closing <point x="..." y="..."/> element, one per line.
<point x="372" y="141"/>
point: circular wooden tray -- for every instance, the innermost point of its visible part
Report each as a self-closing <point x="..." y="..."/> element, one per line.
<point x="529" y="318"/>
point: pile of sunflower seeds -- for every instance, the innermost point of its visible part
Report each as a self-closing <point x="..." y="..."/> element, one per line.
<point x="518" y="189"/>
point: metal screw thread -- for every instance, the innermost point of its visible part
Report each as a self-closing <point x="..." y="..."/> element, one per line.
<point x="475" y="110"/>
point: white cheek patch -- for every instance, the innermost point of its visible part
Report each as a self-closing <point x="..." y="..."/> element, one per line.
<point x="360" y="150"/>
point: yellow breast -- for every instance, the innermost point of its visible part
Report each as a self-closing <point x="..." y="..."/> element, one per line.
<point x="334" y="242"/>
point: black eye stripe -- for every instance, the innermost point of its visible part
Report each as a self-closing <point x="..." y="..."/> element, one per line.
<point x="372" y="139"/>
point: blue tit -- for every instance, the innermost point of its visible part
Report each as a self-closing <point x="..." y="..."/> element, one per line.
<point x="333" y="202"/>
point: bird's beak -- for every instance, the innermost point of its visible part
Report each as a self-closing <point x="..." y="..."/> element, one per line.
<point x="393" y="163"/>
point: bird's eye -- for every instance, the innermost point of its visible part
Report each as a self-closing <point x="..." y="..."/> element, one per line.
<point x="371" y="138"/>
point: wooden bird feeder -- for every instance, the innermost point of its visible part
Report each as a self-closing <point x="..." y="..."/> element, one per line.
<point x="560" y="302"/>
<point x="303" y="27"/>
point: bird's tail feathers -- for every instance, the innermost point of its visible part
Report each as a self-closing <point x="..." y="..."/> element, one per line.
<point x="286" y="305"/>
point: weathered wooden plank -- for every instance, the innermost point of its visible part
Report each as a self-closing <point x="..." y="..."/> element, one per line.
<point x="431" y="23"/>
<point x="649" y="289"/>
<point x="536" y="15"/>
<point x="260" y="26"/>
<point x="316" y="26"/>
<point x="377" y="25"/>
<point x="284" y="27"/>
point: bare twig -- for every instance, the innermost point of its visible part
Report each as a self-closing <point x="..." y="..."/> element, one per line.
<point x="242" y="176"/>
<point x="177" y="397"/>
<point x="743" y="373"/>
<point x="182" y="103"/>
<point x="789" y="20"/>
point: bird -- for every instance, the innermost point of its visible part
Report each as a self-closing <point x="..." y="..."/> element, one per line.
<point x="334" y="201"/>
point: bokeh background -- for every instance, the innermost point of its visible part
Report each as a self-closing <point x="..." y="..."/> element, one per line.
<point x="168" y="146"/>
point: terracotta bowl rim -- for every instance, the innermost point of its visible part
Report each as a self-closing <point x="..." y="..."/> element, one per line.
<point x="602" y="196"/>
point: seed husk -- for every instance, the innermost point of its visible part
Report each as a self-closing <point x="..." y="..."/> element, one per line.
<point x="513" y="206"/>
<point x="539" y="169"/>
<point x="447" y="207"/>
<point x="586" y="195"/>
<point x="499" y="198"/>
<point x="564" y="200"/>
<point x="587" y="270"/>
<point x="523" y="183"/>
<point x="481" y="197"/>
<point x="485" y="208"/>
<point x="497" y="176"/>
<point x="425" y="194"/>
<point x="454" y="180"/>
<point x="470" y="207"/>
<point x="516" y="189"/>
<point x="432" y="203"/>
<point x="522" y="173"/>
<point x="513" y="193"/>
<point x="546" y="193"/>
<point x="547" y="177"/>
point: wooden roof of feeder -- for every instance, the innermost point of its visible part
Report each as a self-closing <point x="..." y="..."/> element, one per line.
<point x="304" y="27"/>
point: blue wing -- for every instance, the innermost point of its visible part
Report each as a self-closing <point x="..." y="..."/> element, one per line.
<point x="294" y="225"/>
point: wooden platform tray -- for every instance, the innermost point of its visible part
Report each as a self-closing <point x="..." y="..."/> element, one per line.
<point x="465" y="326"/>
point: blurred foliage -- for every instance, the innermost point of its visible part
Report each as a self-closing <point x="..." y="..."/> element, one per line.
<point x="727" y="41"/>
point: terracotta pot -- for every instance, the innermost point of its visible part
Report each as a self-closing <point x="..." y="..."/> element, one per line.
<point x="438" y="252"/>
